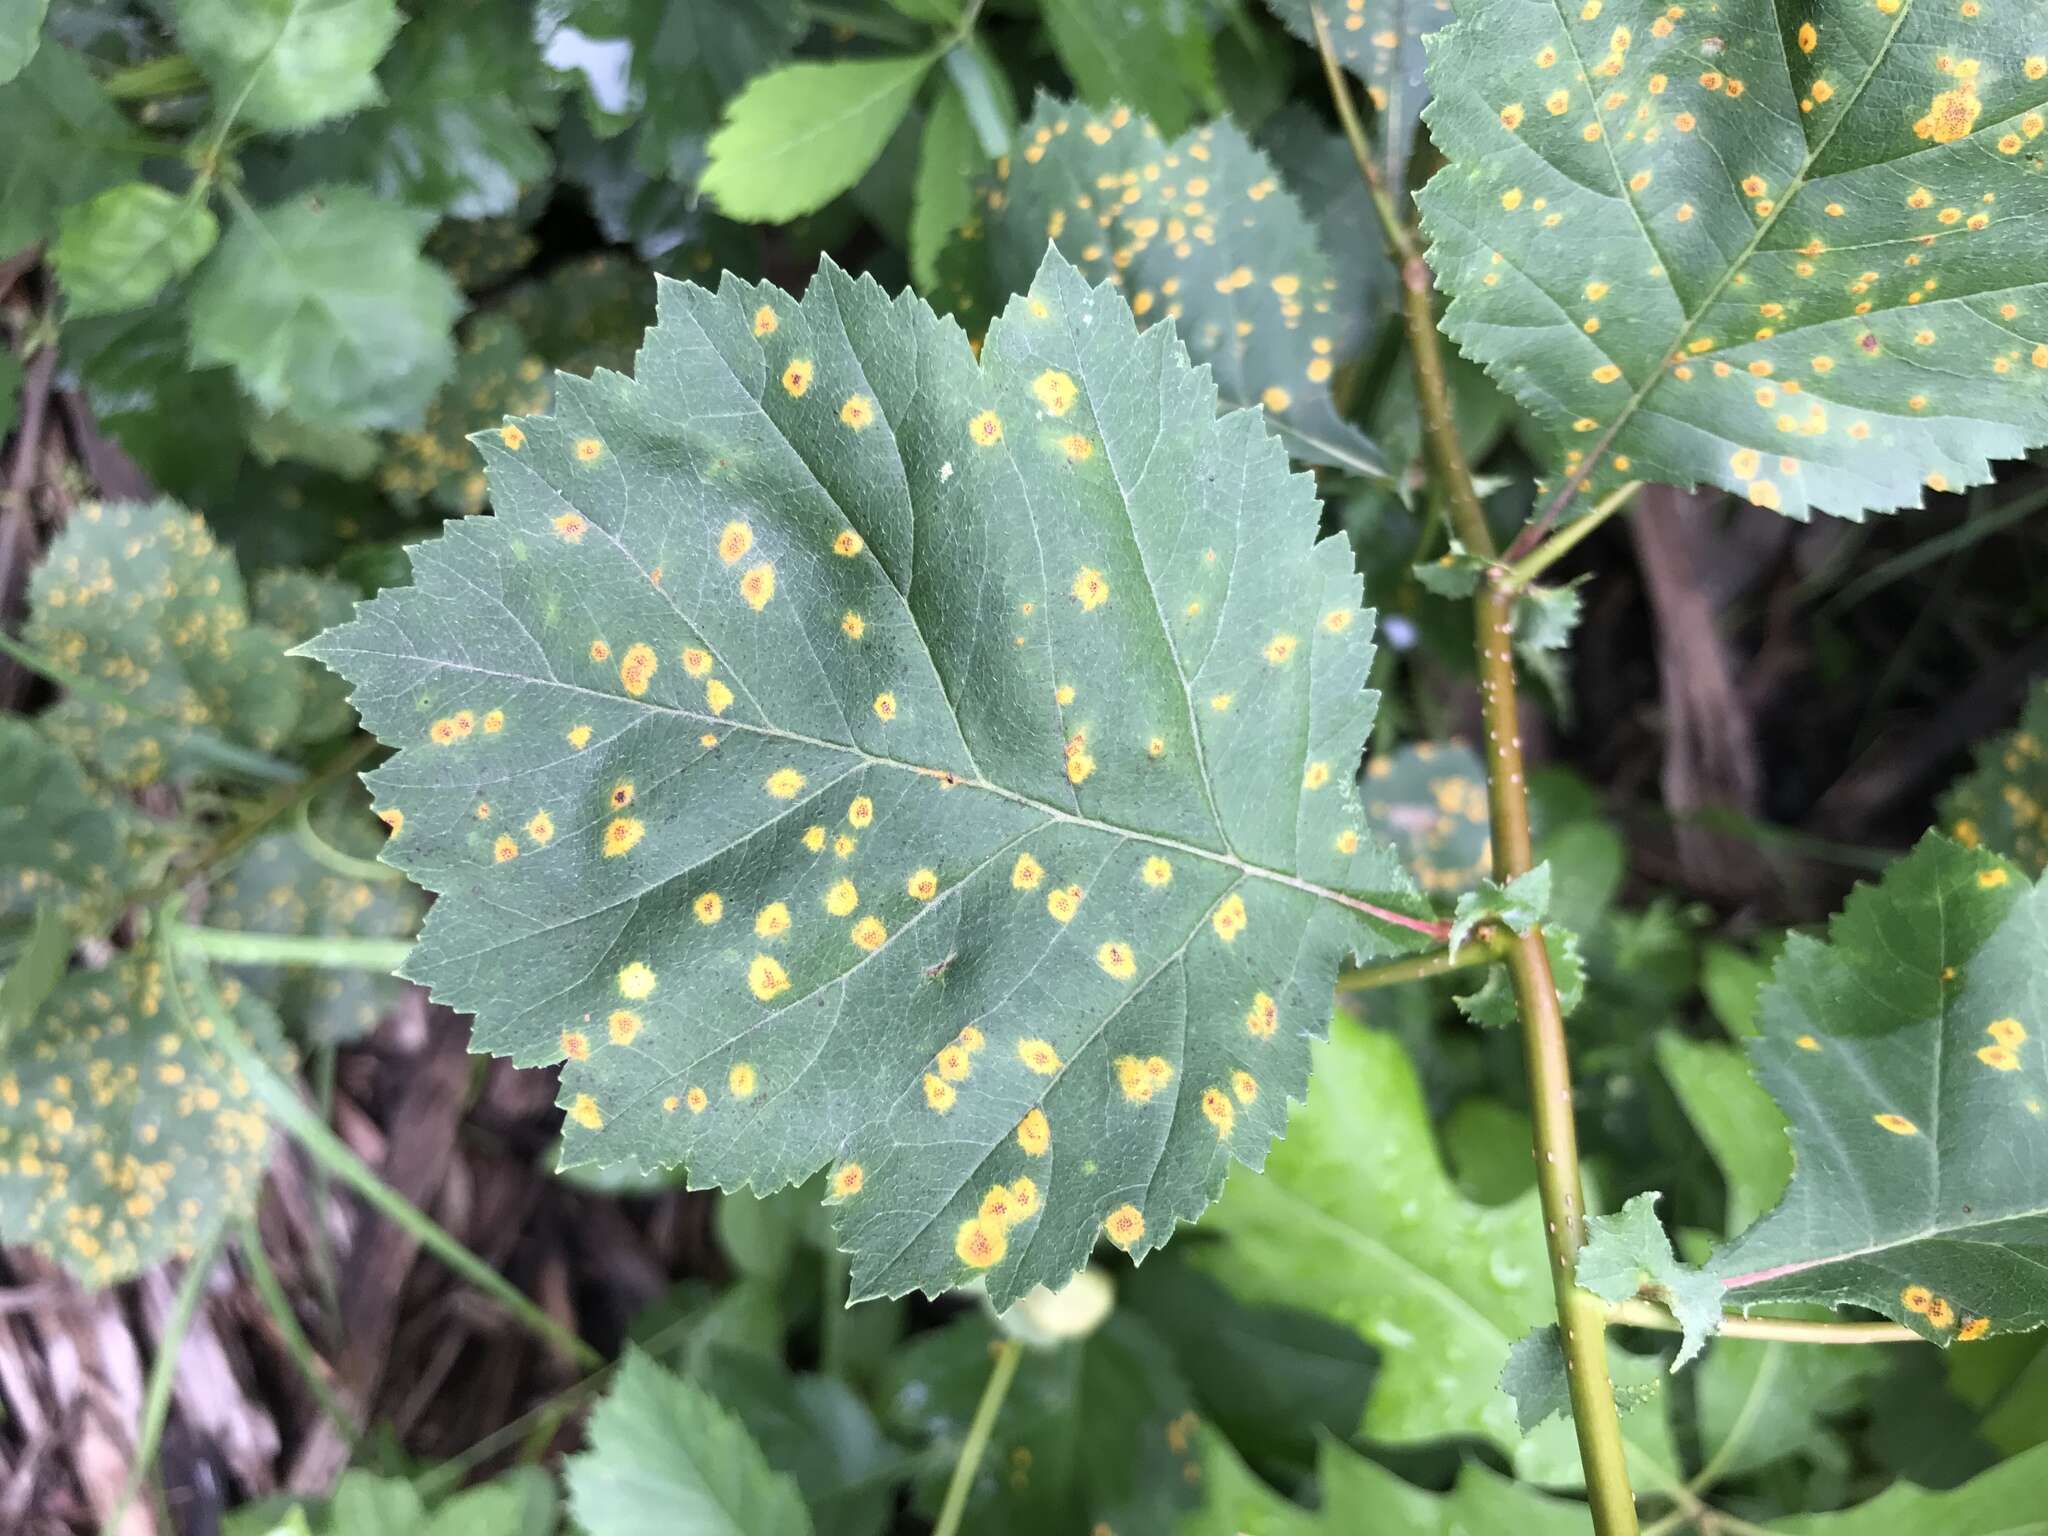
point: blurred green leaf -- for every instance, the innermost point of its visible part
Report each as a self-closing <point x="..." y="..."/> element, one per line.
<point x="497" y="374"/>
<point x="21" y="29"/>
<point x="1428" y="798"/>
<point x="119" y="250"/>
<point x="1759" y="1401"/>
<point x="140" y="605"/>
<point x="796" y="138"/>
<point x="60" y="832"/>
<point x="65" y="142"/>
<point x="1733" y="1115"/>
<point x="1381" y="42"/>
<point x="2002" y="803"/>
<point x="665" y="1459"/>
<point x="1627" y="1252"/>
<point x="2007" y="1499"/>
<point x="324" y="307"/>
<point x="947" y="164"/>
<point x="1154" y="54"/>
<point x="284" y="65"/>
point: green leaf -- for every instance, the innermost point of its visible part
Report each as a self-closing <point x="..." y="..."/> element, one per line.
<point x="1760" y="1401"/>
<point x="1627" y="1253"/>
<point x="1797" y="262"/>
<point x="65" y="142"/>
<point x="1154" y="54"/>
<point x="124" y="1138"/>
<point x="1536" y="1377"/>
<point x="1521" y="904"/>
<point x="1905" y="1051"/>
<point x="21" y="29"/>
<point x="59" y="831"/>
<point x="585" y="315"/>
<point x="665" y="1458"/>
<point x="940" y="13"/>
<point x="184" y="427"/>
<point x="119" y="250"/>
<point x="497" y="374"/>
<point x="1094" y="1433"/>
<point x="985" y="91"/>
<point x="10" y="391"/>
<point x="1381" y="42"/>
<point x="948" y="161"/>
<point x="521" y="1503"/>
<point x="736" y="665"/>
<point x="1209" y="240"/>
<point x="284" y="65"/>
<point x="1736" y="1119"/>
<point x="1356" y="1218"/>
<point x="1428" y="798"/>
<point x="324" y="307"/>
<point x="795" y="139"/>
<point x="465" y="95"/>
<point x="2007" y="1499"/>
<point x="1999" y="803"/>
<point x="1357" y="1495"/>
<point x="1493" y="1005"/>
<point x="142" y="606"/>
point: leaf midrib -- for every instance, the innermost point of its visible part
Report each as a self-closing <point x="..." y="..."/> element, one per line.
<point x="1053" y="812"/>
<point x="1593" y="459"/>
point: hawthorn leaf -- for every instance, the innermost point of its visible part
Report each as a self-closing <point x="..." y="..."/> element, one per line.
<point x="584" y="315"/>
<point x="66" y="141"/>
<point x="985" y="92"/>
<point x="1103" y="1426"/>
<point x="2008" y="1498"/>
<point x="63" y="836"/>
<point x="119" y="250"/>
<point x="21" y="29"/>
<point x="1215" y="243"/>
<point x="519" y="1503"/>
<point x="497" y="374"/>
<point x="665" y="1459"/>
<point x="796" y="138"/>
<point x="1759" y="1401"/>
<point x="1793" y="255"/>
<point x="2002" y="803"/>
<point x="1905" y="1051"/>
<point x="949" y="158"/>
<point x="1428" y="798"/>
<point x="1742" y="1128"/>
<point x="324" y="307"/>
<point x="1536" y="1377"/>
<point x="124" y="1136"/>
<point x="1493" y="1004"/>
<point x="288" y="64"/>
<point x="1381" y="42"/>
<point x="140" y="604"/>
<point x="880" y="750"/>
<point x="1154" y="54"/>
<point x="1627" y="1253"/>
<point x="482" y="254"/>
<point x="1521" y="904"/>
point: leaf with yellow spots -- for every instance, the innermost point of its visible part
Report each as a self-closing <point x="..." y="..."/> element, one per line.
<point x="1919" y="1111"/>
<point x="1199" y="231"/>
<point x="140" y="603"/>
<point x="497" y="374"/>
<point x="1096" y="1434"/>
<point x="125" y="1136"/>
<point x="1699" y="252"/>
<point x="2002" y="803"/>
<point x="954" y="888"/>
<point x="1154" y="55"/>
<point x="1428" y="799"/>
<point x="1381" y="42"/>
<point x="63" y="834"/>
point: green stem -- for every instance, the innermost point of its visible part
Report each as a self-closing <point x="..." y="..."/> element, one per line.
<point x="832" y="1317"/>
<point x="1568" y="538"/>
<point x="296" y="1344"/>
<point x="1637" y="1313"/>
<point x="329" y="1150"/>
<point x="163" y="1370"/>
<point x="324" y="853"/>
<point x="1483" y="948"/>
<point x="1581" y="1316"/>
<point x="336" y="952"/>
<point x="1009" y="1354"/>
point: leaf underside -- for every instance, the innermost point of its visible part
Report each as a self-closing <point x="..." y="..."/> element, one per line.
<point x="1906" y="1052"/>
<point x="1793" y="251"/>
<point x="845" y="753"/>
<point x="1199" y="231"/>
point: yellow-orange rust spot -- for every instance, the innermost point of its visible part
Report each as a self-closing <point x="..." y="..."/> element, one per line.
<point x="1116" y="959"/>
<point x="938" y="1094"/>
<point x="742" y="1080"/>
<point x="1034" y="1134"/>
<point x="541" y="827"/>
<point x="784" y="783"/>
<point x="709" y="907"/>
<point x="571" y="526"/>
<point x="1026" y="873"/>
<point x="986" y="429"/>
<point x="1229" y="918"/>
<point x="512" y="437"/>
<point x="1898" y="1125"/>
<point x="848" y="544"/>
<point x="772" y="920"/>
<point x="1090" y="589"/>
<point x="637" y="668"/>
<point x="923" y="885"/>
<point x="588" y="449"/>
<point x="623" y="1026"/>
<point x="697" y="1100"/>
<point x="796" y="378"/>
<point x="1263" y="1018"/>
<point x="843" y="899"/>
<point x="857" y="412"/>
<point x="980" y="1244"/>
<point x="1219" y="1111"/>
<point x="1055" y="391"/>
<point x="621" y="835"/>
<point x="636" y="981"/>
<point x="847" y="1180"/>
<point x="758" y="585"/>
<point x="1157" y="871"/>
<point x="575" y="1045"/>
<point x="1063" y="903"/>
<point x="766" y="977"/>
<point x="869" y="933"/>
<point x="1039" y="1056"/>
<point x="584" y="1112"/>
<point x="1124" y="1226"/>
<point x="765" y="321"/>
<point x="504" y="850"/>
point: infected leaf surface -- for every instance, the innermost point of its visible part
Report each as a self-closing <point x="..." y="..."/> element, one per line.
<point x="123" y="1138"/>
<point x="1428" y="798"/>
<point x="847" y="755"/>
<point x="1199" y="231"/>
<point x="1381" y="42"/>
<point x="1906" y="1053"/>
<point x="2002" y="803"/>
<point x="60" y="832"/>
<point x="1793" y="253"/>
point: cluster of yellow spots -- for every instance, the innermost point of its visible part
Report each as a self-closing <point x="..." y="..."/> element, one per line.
<point x="1953" y="113"/>
<point x="1262" y="1019"/>
<point x="1229" y="918"/>
<point x="953" y="1064"/>
<point x="1079" y="763"/>
<point x="2003" y="1054"/>
<point x="1941" y="1314"/>
<point x="450" y="729"/>
<point x="984" y="1238"/>
<point x="1141" y="1077"/>
<point x="1117" y="960"/>
<point x="766" y="978"/>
